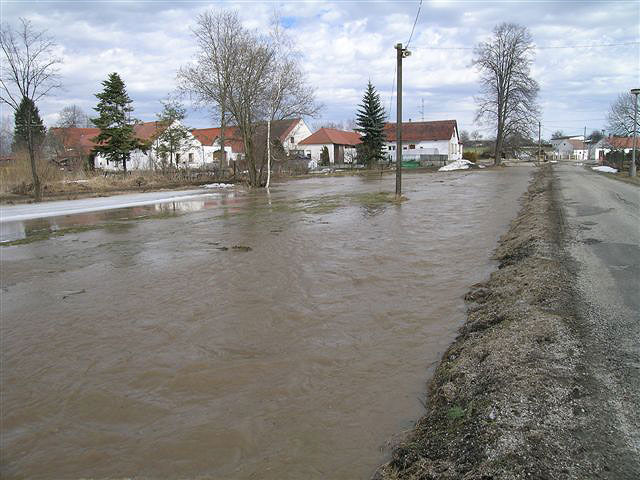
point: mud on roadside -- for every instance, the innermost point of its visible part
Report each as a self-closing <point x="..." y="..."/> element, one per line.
<point x="506" y="401"/>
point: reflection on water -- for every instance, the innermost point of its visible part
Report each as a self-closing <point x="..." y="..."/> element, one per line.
<point x="160" y="351"/>
<point x="39" y="228"/>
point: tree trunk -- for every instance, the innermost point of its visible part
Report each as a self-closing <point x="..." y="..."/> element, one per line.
<point x="268" y="153"/>
<point x="124" y="165"/>
<point x="37" y="187"/>
<point x="223" y="163"/>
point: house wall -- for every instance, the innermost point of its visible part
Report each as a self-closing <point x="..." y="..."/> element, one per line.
<point x="297" y="134"/>
<point x="450" y="147"/>
<point x="193" y="157"/>
<point x="314" y="151"/>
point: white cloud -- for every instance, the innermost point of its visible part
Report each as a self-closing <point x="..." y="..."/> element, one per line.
<point x="346" y="44"/>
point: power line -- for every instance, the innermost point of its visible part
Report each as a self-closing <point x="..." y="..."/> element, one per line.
<point x="414" y="25"/>
<point x="539" y="47"/>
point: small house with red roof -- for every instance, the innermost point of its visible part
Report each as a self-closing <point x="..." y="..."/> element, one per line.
<point x="425" y="140"/>
<point x="340" y="144"/>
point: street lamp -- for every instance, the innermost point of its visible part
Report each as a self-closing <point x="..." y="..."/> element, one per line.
<point x="634" y="92"/>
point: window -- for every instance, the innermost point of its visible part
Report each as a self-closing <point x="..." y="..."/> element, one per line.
<point x="291" y="141"/>
<point x="190" y="157"/>
<point x="177" y="157"/>
<point x="412" y="147"/>
<point x="404" y="148"/>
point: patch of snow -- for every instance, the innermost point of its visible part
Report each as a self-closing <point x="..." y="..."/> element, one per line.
<point x="579" y="164"/>
<point x="553" y="161"/>
<point x="75" y="181"/>
<point x="457" y="165"/>
<point x="481" y="166"/>
<point x="218" y="185"/>
<point x="605" y="169"/>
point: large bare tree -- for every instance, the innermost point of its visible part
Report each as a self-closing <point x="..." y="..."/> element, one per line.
<point x="29" y="71"/>
<point x="508" y="99"/>
<point x="620" y="118"/>
<point x="245" y="76"/>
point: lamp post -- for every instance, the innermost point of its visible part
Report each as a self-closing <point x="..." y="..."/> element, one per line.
<point x="632" y="169"/>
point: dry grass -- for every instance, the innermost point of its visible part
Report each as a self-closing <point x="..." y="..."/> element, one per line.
<point x="16" y="177"/>
<point x="16" y="182"/>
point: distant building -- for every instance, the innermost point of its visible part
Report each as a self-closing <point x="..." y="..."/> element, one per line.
<point x="340" y="144"/>
<point x="573" y="148"/>
<point x="425" y="141"/>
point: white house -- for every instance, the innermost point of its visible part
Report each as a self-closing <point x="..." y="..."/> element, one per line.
<point x="425" y="141"/>
<point x="188" y="155"/>
<point x="341" y="146"/>
<point x="573" y="148"/>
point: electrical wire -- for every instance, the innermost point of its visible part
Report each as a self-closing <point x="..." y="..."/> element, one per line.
<point x="538" y="47"/>
<point x="414" y="25"/>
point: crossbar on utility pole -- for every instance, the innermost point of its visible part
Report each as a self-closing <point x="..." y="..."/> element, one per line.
<point x="400" y="51"/>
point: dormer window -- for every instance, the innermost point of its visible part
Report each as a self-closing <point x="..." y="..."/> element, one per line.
<point x="291" y="141"/>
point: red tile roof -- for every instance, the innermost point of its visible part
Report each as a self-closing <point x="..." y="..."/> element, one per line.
<point x="422" y="131"/>
<point x="82" y="138"/>
<point x="331" y="135"/>
<point x="77" y="138"/>
<point x="622" y="142"/>
<point x="280" y="129"/>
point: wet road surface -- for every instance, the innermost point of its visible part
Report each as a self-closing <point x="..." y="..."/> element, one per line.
<point x="152" y="348"/>
<point x="603" y="239"/>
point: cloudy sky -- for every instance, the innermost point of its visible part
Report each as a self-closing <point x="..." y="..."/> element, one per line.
<point x="346" y="43"/>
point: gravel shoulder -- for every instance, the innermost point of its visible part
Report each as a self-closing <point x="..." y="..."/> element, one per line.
<point x="523" y="392"/>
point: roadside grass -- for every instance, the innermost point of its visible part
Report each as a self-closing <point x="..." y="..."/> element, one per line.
<point x="623" y="177"/>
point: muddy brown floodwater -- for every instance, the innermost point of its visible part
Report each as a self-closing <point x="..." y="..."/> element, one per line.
<point x="150" y="347"/>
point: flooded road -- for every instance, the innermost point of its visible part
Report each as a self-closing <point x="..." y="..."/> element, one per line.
<point x="148" y="346"/>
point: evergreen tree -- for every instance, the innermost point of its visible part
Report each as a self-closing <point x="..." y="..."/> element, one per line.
<point x="27" y="116"/>
<point x="116" y="139"/>
<point x="370" y="123"/>
<point x="175" y="137"/>
<point x="324" y="156"/>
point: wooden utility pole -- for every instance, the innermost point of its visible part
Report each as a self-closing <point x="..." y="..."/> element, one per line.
<point x="539" y="143"/>
<point x="401" y="53"/>
<point x="584" y="144"/>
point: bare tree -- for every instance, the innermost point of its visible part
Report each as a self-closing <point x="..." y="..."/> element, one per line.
<point x="508" y="97"/>
<point x="230" y="74"/>
<point x="464" y="136"/>
<point x="620" y="118"/>
<point x="288" y="93"/>
<point x="29" y="71"/>
<point x="6" y="135"/>
<point x="476" y="135"/>
<point x="238" y="72"/>
<point x="72" y="116"/>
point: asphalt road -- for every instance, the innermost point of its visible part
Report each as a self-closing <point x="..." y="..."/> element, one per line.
<point x="602" y="239"/>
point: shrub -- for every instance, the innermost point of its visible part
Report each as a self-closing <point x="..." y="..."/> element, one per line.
<point x="471" y="156"/>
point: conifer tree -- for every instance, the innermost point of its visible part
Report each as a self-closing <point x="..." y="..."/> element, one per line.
<point x="27" y="117"/>
<point x="370" y="123"/>
<point x="116" y="139"/>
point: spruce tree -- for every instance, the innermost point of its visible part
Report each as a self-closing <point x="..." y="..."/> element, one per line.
<point x="370" y="123"/>
<point x="27" y="117"/>
<point x="116" y="139"/>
